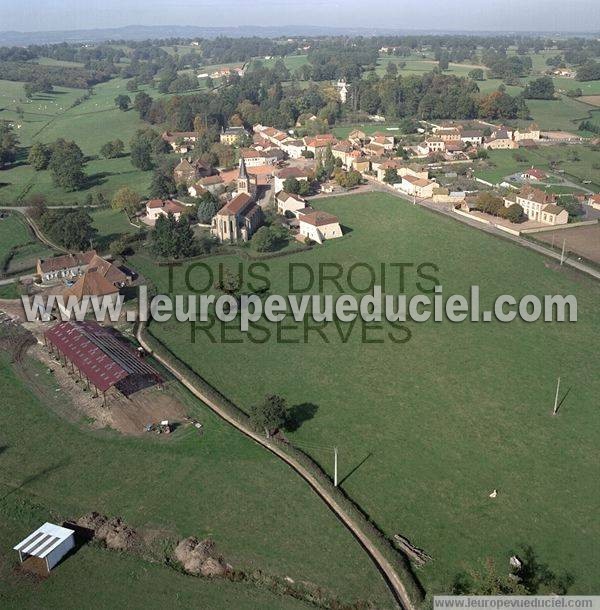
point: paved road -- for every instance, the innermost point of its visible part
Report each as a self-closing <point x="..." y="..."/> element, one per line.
<point x="392" y="578"/>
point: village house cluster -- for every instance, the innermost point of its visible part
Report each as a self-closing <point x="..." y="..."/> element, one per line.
<point x="270" y="158"/>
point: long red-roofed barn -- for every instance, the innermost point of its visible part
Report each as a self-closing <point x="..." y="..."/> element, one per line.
<point x="100" y="357"/>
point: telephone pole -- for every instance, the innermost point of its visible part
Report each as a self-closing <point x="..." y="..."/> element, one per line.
<point x="555" y="410"/>
<point x="335" y="470"/>
<point x="562" y="254"/>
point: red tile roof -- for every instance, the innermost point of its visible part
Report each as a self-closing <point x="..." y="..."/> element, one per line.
<point x="236" y="205"/>
<point x="97" y="353"/>
<point x="318" y="219"/>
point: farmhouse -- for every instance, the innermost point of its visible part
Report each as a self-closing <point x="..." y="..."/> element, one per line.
<point x="539" y="205"/>
<point x="474" y="137"/>
<point x="213" y="184"/>
<point x="293" y="148"/>
<point x="241" y="217"/>
<point x="288" y="202"/>
<point x="45" y="547"/>
<point x="319" y="226"/>
<point x="419" y="187"/>
<point x="66" y="266"/>
<point x="109" y="271"/>
<point x="285" y="173"/>
<point x="390" y="164"/>
<point x="533" y="174"/>
<point x="100" y="357"/>
<point x="256" y="158"/>
<point x="180" y="141"/>
<point x="161" y="207"/>
<point x="357" y="137"/>
<point x="187" y="172"/>
<point x="594" y="201"/>
<point x="500" y="140"/>
<point x="383" y="139"/>
<point x="448" y="134"/>
<point x="94" y="287"/>
<point x="531" y="133"/>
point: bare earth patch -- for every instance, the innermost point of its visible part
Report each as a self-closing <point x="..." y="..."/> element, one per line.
<point x="583" y="241"/>
<point x="128" y="415"/>
<point x="592" y="100"/>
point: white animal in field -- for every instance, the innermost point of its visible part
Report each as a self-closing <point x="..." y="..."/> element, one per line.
<point x="494" y="493"/>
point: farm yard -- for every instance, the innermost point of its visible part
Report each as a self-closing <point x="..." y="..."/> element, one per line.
<point x="422" y="439"/>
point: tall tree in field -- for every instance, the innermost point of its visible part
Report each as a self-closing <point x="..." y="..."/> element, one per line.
<point x="142" y="104"/>
<point x="112" y="150"/>
<point x="122" y="102"/>
<point x="8" y="144"/>
<point x="128" y="200"/>
<point x="173" y="238"/>
<point x="141" y="151"/>
<point x="270" y="414"/>
<point x="72" y="229"/>
<point x="39" y="156"/>
<point x="66" y="164"/>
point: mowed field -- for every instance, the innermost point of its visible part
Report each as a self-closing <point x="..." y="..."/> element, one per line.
<point x="579" y="163"/>
<point x="220" y="484"/>
<point x="90" y="124"/>
<point x="428" y="428"/>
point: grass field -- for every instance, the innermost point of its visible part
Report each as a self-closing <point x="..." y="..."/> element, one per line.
<point x="90" y="124"/>
<point x="110" y="224"/>
<point x="428" y="428"/>
<point x="14" y="233"/>
<point x="220" y="485"/>
<point x="579" y="163"/>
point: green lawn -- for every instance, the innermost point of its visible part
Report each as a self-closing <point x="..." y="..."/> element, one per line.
<point x="427" y="429"/>
<point x="564" y="114"/>
<point x="104" y="176"/>
<point x="580" y="163"/>
<point x="221" y="485"/>
<point x="90" y="124"/>
<point x="110" y="225"/>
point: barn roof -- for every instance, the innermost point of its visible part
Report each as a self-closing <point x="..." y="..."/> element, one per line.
<point x="97" y="353"/>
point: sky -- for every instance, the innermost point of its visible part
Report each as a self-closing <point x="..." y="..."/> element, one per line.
<point x="501" y="15"/>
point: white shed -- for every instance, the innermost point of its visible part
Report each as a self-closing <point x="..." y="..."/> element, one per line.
<point x="45" y="547"/>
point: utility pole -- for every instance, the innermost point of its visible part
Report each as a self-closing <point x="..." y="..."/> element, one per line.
<point x="562" y="254"/>
<point x="335" y="472"/>
<point x="555" y="410"/>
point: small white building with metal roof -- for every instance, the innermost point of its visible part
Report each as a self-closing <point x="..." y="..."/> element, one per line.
<point x="46" y="546"/>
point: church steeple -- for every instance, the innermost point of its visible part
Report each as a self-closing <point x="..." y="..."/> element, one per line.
<point x="243" y="181"/>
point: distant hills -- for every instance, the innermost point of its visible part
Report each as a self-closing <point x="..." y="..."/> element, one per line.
<point x="144" y="32"/>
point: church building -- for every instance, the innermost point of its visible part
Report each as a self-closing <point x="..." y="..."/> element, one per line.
<point x="241" y="217"/>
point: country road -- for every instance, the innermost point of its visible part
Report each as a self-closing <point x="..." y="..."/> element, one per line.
<point x="395" y="584"/>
